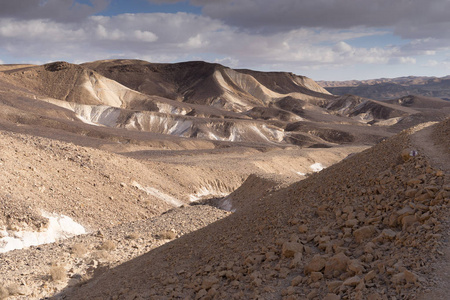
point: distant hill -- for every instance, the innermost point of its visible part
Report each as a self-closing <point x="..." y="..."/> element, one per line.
<point x="390" y="88"/>
<point x="199" y="100"/>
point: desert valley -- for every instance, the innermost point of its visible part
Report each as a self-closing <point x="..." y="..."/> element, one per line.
<point x="125" y="179"/>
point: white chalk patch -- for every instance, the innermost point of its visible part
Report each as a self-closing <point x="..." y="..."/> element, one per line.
<point x="158" y="194"/>
<point x="59" y="227"/>
<point x="301" y="174"/>
<point x="206" y="192"/>
<point x="317" y="167"/>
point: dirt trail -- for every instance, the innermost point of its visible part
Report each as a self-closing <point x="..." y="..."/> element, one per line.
<point x="435" y="147"/>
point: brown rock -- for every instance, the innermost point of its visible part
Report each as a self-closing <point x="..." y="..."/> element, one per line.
<point x="333" y="286"/>
<point x="352" y="281"/>
<point x="201" y="294"/>
<point x="414" y="181"/>
<point x="364" y="233"/>
<point x="369" y="276"/>
<point x="332" y="297"/>
<point x="313" y="294"/>
<point x="297" y="260"/>
<point x="393" y="220"/>
<point x="408" y="221"/>
<point x="297" y="280"/>
<point x="405" y="211"/>
<point x="303" y="228"/>
<point x="316" y="276"/>
<point x="410" y="276"/>
<point x="336" y="265"/>
<point x="355" y="266"/>
<point x="316" y="264"/>
<point x="389" y="234"/>
<point x="208" y="282"/>
<point x="398" y="278"/>
<point x="351" y="223"/>
<point x="374" y="296"/>
<point x="423" y="197"/>
<point x="410" y="192"/>
<point x="405" y="155"/>
<point x="289" y="249"/>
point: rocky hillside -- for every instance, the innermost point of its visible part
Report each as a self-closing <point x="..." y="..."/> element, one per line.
<point x="373" y="226"/>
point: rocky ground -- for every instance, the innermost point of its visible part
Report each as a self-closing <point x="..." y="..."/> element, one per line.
<point x="374" y="226"/>
<point x="105" y="192"/>
<point x="39" y="271"/>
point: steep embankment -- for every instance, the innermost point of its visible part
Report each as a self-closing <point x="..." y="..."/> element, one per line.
<point x="368" y="227"/>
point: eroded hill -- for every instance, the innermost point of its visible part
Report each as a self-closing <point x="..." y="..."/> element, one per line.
<point x="208" y="102"/>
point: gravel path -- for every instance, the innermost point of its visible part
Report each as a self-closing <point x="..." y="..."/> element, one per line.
<point x="434" y="143"/>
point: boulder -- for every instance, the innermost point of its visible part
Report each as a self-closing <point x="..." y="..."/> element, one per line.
<point x="316" y="264"/>
<point x="364" y="233"/>
<point x="289" y="249"/>
<point x="336" y="265"/>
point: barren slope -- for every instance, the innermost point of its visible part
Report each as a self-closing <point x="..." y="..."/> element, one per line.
<point x="370" y="226"/>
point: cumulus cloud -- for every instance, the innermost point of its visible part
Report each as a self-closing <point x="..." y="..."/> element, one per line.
<point x="59" y="10"/>
<point x="342" y="47"/>
<point x="183" y="36"/>
<point x="291" y="35"/>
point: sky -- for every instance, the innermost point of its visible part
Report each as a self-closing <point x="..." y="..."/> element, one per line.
<point x="321" y="39"/>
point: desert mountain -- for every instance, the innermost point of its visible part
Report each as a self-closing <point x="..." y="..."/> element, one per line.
<point x="391" y="88"/>
<point x="132" y="154"/>
<point x="199" y="100"/>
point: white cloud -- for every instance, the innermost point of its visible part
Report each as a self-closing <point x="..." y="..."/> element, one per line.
<point x="145" y="36"/>
<point x="342" y="47"/>
<point x="228" y="61"/>
<point x="160" y="37"/>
